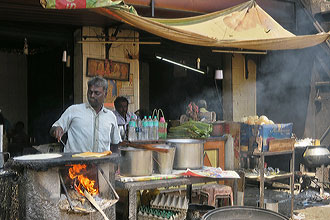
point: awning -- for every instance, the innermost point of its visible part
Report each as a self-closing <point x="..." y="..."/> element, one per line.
<point x="245" y="26"/>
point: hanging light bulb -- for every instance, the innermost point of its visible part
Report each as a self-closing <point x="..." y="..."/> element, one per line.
<point x="26" y="47"/>
<point x="198" y="62"/>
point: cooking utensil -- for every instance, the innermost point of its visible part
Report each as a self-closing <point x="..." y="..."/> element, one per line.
<point x="136" y="162"/>
<point x="315" y="156"/>
<point x="189" y="153"/>
<point x="143" y="146"/>
<point x="163" y="162"/>
<point x="243" y="213"/>
<point x="62" y="142"/>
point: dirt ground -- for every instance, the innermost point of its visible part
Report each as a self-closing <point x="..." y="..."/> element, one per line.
<point x="308" y="204"/>
<point x="315" y="213"/>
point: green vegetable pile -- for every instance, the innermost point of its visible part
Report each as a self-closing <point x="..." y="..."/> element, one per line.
<point x="191" y="129"/>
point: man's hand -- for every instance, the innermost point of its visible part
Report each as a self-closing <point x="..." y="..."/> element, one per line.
<point x="57" y="132"/>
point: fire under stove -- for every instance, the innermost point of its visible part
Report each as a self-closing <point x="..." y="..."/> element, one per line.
<point x="66" y="187"/>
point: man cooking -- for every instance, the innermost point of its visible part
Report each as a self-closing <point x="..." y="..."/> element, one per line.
<point x="90" y="126"/>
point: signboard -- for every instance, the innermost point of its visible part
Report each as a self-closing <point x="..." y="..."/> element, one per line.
<point x="108" y="69"/>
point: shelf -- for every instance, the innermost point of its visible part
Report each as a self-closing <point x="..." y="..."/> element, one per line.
<point x="271" y="178"/>
<point x="273" y="153"/>
<point x="262" y="179"/>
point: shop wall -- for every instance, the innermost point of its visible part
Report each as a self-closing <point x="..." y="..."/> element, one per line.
<point x="126" y="53"/>
<point x="227" y="91"/>
<point x="13" y="87"/>
<point x="243" y="87"/>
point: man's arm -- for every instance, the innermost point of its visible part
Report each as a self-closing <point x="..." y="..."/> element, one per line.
<point x="57" y="132"/>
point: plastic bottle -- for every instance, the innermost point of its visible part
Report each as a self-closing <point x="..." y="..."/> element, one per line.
<point x="132" y="129"/>
<point x="162" y="129"/>
<point x="155" y="128"/>
<point x="139" y="129"/>
<point x="145" y="128"/>
<point x="150" y="128"/>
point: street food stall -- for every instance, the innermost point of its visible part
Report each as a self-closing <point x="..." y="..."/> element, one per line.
<point x="194" y="152"/>
<point x="172" y="162"/>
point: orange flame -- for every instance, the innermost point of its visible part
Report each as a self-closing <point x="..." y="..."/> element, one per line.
<point x="76" y="172"/>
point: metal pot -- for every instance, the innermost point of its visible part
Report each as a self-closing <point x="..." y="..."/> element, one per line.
<point x="243" y="213"/>
<point x="189" y="153"/>
<point x="163" y="162"/>
<point x="270" y="204"/>
<point x="135" y="162"/>
<point x="315" y="156"/>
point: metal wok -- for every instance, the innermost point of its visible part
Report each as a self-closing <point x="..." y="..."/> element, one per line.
<point x="243" y="213"/>
<point x="315" y="156"/>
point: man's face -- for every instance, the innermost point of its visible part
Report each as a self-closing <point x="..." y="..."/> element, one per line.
<point x="122" y="108"/>
<point x="96" y="96"/>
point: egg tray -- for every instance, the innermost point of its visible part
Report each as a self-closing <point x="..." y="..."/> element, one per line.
<point x="170" y="202"/>
<point x="148" y="213"/>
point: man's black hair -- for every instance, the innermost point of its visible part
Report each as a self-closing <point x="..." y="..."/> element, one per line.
<point x="120" y="99"/>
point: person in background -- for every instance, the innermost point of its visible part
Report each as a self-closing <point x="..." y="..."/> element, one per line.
<point x="19" y="140"/>
<point x="204" y="114"/>
<point x="121" y="111"/>
<point x="90" y="126"/>
<point x="202" y="105"/>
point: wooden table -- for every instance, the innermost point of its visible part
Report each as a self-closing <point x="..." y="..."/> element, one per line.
<point x="132" y="187"/>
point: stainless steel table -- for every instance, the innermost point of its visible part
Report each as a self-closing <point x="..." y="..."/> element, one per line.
<point x="132" y="187"/>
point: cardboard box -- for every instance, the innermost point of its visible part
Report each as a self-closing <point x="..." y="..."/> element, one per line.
<point x="248" y="136"/>
<point x="272" y="131"/>
<point x="278" y="145"/>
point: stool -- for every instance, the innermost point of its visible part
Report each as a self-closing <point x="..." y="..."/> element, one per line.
<point x="217" y="191"/>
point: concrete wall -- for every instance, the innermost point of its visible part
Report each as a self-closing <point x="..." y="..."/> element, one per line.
<point x="117" y="52"/>
<point x="13" y="87"/>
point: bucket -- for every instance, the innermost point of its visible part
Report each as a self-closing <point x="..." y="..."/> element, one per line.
<point x="189" y="153"/>
<point x="135" y="162"/>
<point x="270" y="204"/>
<point x="163" y="162"/>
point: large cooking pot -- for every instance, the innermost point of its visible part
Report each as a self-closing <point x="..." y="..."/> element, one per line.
<point x="243" y="213"/>
<point x="135" y="162"/>
<point x="316" y="156"/>
<point x="188" y="154"/>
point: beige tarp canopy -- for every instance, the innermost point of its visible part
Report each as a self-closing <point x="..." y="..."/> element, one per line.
<point x="245" y="26"/>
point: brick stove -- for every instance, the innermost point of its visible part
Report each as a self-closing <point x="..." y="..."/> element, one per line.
<point x="42" y="194"/>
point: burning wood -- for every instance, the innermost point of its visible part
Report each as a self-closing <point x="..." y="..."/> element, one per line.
<point x="84" y="186"/>
<point x="76" y="172"/>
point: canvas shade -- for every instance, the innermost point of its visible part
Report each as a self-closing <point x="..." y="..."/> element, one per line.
<point x="245" y="26"/>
